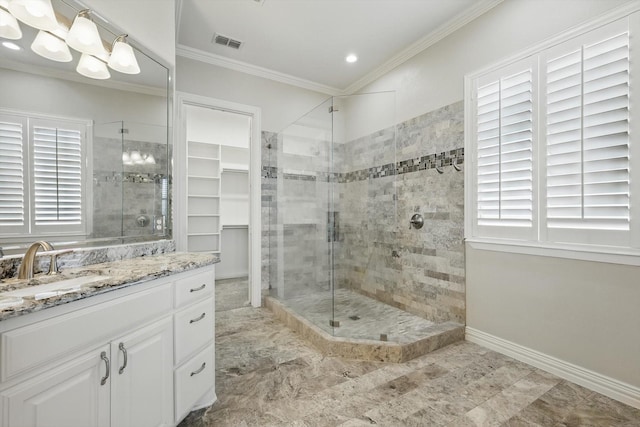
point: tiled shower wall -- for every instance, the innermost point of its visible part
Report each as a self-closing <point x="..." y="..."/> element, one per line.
<point x="120" y="196"/>
<point x="379" y="254"/>
<point x="379" y="181"/>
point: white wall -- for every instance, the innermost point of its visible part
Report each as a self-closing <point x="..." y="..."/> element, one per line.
<point x="585" y="313"/>
<point x="281" y="104"/>
<point x="150" y="22"/>
<point x="34" y="93"/>
<point x="434" y="78"/>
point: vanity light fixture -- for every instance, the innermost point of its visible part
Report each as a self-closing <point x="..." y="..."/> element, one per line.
<point x="122" y="57"/>
<point x="9" y="27"/>
<point x="92" y="67"/>
<point x="35" y="13"/>
<point x="137" y="158"/>
<point x="51" y="45"/>
<point x="83" y="35"/>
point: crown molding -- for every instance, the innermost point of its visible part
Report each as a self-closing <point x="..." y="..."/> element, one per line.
<point x="254" y="70"/>
<point x="430" y="39"/>
<point x="415" y="48"/>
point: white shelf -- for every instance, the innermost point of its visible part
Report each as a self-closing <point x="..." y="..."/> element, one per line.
<point x="235" y="196"/>
<point x="235" y="168"/>
<point x="203" y="196"/>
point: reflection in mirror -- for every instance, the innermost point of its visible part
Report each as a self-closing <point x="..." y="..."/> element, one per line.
<point x="83" y="161"/>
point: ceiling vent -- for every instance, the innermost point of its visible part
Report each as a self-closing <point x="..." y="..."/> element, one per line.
<point x="226" y="41"/>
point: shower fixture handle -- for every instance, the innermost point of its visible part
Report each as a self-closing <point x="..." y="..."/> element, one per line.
<point x="416" y="221"/>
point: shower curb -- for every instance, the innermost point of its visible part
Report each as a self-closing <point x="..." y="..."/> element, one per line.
<point x="438" y="336"/>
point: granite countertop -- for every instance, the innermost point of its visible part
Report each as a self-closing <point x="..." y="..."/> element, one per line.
<point x="117" y="275"/>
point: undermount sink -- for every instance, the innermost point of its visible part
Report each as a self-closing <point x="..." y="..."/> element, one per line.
<point x="54" y="289"/>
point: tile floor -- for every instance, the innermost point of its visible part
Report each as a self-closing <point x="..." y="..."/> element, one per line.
<point x="359" y="316"/>
<point x="267" y="376"/>
<point x="232" y="293"/>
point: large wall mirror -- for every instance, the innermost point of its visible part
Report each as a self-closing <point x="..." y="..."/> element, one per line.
<point x="84" y="161"/>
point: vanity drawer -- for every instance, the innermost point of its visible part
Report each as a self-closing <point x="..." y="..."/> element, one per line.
<point x="193" y="380"/>
<point x="194" y="328"/>
<point x="195" y="287"/>
<point x="30" y="346"/>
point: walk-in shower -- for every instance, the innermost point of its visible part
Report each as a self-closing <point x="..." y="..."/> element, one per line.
<point x="346" y="182"/>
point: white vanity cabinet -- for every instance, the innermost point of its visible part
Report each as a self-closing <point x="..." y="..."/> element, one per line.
<point x="66" y="395"/>
<point x="194" y="329"/>
<point x="110" y="359"/>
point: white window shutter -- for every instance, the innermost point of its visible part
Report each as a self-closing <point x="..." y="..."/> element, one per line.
<point x="504" y="151"/>
<point x="57" y="169"/>
<point x="13" y="208"/>
<point x="587" y="153"/>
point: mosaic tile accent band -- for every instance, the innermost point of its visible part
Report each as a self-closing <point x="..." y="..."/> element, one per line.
<point x="431" y="161"/>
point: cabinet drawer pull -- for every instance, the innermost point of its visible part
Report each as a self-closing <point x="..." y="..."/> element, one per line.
<point x="197" y="319"/>
<point x="204" y="285"/>
<point x="124" y="353"/>
<point x="199" y="370"/>
<point x="104" y="357"/>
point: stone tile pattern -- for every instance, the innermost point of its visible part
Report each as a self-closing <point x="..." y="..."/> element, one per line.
<point x="269" y="264"/>
<point x="378" y="182"/>
<point x="420" y="271"/>
<point x="405" y="336"/>
<point x="267" y="376"/>
<point x="119" y="197"/>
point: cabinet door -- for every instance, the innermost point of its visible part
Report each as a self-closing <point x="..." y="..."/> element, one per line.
<point x="142" y="384"/>
<point x="70" y="395"/>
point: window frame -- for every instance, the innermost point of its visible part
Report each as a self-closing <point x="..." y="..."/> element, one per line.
<point x="30" y="230"/>
<point x="540" y="245"/>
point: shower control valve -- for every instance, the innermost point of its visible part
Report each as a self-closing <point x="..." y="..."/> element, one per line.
<point x="416" y="221"/>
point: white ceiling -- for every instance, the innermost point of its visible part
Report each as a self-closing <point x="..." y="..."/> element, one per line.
<point x="305" y="42"/>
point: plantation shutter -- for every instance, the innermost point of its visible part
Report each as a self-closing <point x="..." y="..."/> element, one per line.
<point x="588" y="136"/>
<point x="57" y="170"/>
<point x="12" y="174"/>
<point x="505" y="151"/>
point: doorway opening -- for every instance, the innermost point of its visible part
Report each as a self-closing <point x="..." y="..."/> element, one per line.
<point x="219" y="150"/>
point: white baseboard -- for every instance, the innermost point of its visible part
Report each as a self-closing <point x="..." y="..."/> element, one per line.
<point x="618" y="390"/>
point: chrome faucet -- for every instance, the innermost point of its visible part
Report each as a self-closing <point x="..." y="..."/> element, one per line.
<point x="27" y="265"/>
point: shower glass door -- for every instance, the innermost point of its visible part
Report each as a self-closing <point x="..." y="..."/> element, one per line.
<point x="303" y="233"/>
<point x="364" y="159"/>
<point x="336" y="222"/>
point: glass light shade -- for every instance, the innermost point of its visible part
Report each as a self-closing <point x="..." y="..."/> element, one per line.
<point x="84" y="37"/>
<point x="150" y="160"/>
<point x="92" y="67"/>
<point x="136" y="157"/>
<point x="125" y="158"/>
<point x="9" y="27"/>
<point x="51" y="47"/>
<point x="123" y="59"/>
<point x="35" y="13"/>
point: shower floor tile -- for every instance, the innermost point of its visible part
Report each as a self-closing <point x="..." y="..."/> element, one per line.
<point x="354" y="326"/>
<point x="359" y="317"/>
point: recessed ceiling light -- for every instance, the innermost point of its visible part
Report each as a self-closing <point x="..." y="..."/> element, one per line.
<point x="11" y="45"/>
<point x="351" y="58"/>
